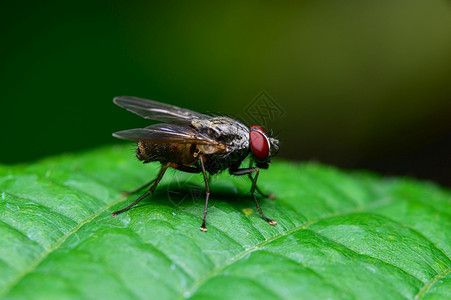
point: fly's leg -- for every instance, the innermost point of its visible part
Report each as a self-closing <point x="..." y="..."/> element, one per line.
<point x="207" y="188"/>
<point x="198" y="169"/>
<point x="269" y="195"/>
<point x="254" y="184"/>
<point x="175" y="166"/>
<point x="125" y="193"/>
<point x="150" y="191"/>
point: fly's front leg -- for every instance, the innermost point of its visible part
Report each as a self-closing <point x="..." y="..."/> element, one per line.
<point x="254" y="184"/>
<point x="269" y="195"/>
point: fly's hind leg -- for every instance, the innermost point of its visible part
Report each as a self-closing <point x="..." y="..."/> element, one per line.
<point x="155" y="182"/>
<point x="126" y="193"/>
<point x="173" y="165"/>
<point x="254" y="185"/>
<point x="150" y="191"/>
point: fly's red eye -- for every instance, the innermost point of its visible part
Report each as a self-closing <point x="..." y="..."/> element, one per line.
<point x="259" y="143"/>
<point x="255" y="127"/>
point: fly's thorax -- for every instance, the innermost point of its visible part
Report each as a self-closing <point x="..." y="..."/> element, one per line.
<point x="226" y="130"/>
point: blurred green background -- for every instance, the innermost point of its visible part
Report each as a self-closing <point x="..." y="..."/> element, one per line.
<point x="362" y="84"/>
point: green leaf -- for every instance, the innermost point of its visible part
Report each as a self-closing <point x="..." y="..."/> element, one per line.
<point x="340" y="235"/>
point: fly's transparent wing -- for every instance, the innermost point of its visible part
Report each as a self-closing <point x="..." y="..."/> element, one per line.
<point x="168" y="133"/>
<point x="157" y="111"/>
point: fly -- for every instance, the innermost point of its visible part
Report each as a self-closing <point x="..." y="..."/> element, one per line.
<point x="196" y="143"/>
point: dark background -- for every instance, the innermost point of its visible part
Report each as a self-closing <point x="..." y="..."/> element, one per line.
<point x="362" y="84"/>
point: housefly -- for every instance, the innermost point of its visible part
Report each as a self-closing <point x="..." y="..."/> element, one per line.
<point x="196" y="143"/>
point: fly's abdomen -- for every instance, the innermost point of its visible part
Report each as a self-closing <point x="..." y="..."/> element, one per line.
<point x="165" y="152"/>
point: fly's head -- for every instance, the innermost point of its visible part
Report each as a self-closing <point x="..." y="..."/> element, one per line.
<point x="262" y="146"/>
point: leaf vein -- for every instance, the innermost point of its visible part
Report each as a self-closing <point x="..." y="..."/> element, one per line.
<point x="241" y="255"/>
<point x="428" y="285"/>
<point x="46" y="253"/>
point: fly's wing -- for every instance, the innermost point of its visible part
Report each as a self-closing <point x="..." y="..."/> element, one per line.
<point x="169" y="133"/>
<point x="157" y="111"/>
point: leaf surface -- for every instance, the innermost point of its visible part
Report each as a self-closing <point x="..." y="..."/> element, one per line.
<point x="340" y="235"/>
